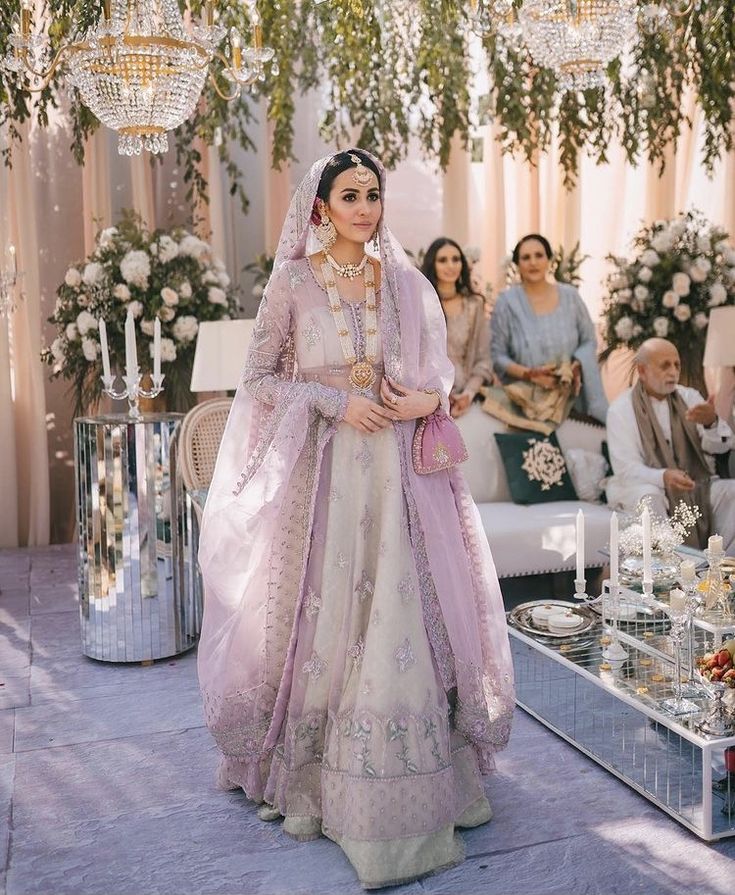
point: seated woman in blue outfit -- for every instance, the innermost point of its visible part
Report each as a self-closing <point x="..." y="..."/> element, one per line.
<point x="540" y="324"/>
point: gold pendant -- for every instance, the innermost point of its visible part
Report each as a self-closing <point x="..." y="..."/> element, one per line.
<point x="362" y="375"/>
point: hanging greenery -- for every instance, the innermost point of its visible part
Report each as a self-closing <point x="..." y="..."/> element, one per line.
<point x="387" y="70"/>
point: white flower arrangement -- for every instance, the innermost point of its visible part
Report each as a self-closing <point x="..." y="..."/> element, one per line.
<point x="679" y="270"/>
<point x="169" y="275"/>
<point x="667" y="533"/>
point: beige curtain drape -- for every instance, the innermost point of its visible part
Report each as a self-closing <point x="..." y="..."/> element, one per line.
<point x="24" y="466"/>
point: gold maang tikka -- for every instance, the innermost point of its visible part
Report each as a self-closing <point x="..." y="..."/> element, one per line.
<point x="361" y="174"/>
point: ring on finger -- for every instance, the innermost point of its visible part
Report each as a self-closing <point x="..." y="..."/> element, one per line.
<point x="393" y="399"/>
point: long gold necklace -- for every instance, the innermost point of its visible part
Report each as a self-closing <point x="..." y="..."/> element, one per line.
<point x="362" y="375"/>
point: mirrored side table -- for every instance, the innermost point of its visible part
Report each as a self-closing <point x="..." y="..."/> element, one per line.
<point x="138" y="586"/>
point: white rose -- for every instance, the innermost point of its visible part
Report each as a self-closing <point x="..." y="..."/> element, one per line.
<point x="637" y="329"/>
<point x="73" y="278"/>
<point x="135" y="268"/>
<point x="93" y="273"/>
<point x="121" y="292"/>
<point x="650" y="258"/>
<point x="168" y="350"/>
<point x="703" y="264"/>
<point x="57" y="351"/>
<point x="697" y="274"/>
<point x="85" y="322"/>
<point x="624" y="296"/>
<point x="167" y="314"/>
<point x="661" y="327"/>
<point x="193" y="247"/>
<point x="90" y="349"/>
<point x="219" y="264"/>
<point x="682" y="312"/>
<point x="185" y="289"/>
<point x="153" y="250"/>
<point x="670" y="299"/>
<point x="217" y="296"/>
<point x="645" y="274"/>
<point x="641" y="293"/>
<point x="619" y="282"/>
<point x="681" y="284"/>
<point x="717" y="295"/>
<point x="701" y="320"/>
<point x="663" y="241"/>
<point x="136" y="308"/>
<point x="169" y="296"/>
<point x="704" y="244"/>
<point x="185" y="329"/>
<point x="168" y="249"/>
<point x="147" y="327"/>
<point x="71" y="332"/>
<point x="210" y="277"/>
<point x="224" y="279"/>
<point x="106" y="237"/>
<point x="624" y="329"/>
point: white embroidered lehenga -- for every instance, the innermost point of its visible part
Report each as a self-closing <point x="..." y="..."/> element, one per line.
<point x="366" y="717"/>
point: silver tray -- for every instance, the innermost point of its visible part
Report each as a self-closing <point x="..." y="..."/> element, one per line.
<point x="520" y="618"/>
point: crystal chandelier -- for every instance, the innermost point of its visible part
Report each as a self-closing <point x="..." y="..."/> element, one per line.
<point x="139" y="69"/>
<point x="577" y="38"/>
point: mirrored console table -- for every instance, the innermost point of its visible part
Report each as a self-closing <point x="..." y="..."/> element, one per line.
<point x="138" y="588"/>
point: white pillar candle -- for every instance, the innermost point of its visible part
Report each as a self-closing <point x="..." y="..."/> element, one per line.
<point x="614" y="550"/>
<point x="131" y="350"/>
<point x="687" y="571"/>
<point x="580" y="545"/>
<point x="677" y="600"/>
<point x="715" y="543"/>
<point x="647" y="571"/>
<point x="105" y="349"/>
<point x="157" y="348"/>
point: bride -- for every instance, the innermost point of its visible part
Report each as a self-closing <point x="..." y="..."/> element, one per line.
<point x="354" y="661"/>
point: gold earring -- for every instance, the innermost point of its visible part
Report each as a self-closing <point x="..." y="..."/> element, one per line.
<point x="325" y="231"/>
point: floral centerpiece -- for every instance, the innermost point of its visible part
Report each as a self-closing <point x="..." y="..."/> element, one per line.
<point x="667" y="533"/>
<point x="679" y="271"/>
<point x="170" y="275"/>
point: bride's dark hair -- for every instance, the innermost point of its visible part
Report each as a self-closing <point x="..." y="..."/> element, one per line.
<point x="339" y="163"/>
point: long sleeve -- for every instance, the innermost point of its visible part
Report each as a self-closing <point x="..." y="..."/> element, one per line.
<point x="626" y="449"/>
<point x="262" y="376"/>
<point x="500" y="336"/>
<point x="719" y="438"/>
<point x="482" y="370"/>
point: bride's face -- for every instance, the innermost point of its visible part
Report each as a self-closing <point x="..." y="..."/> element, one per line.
<point x="355" y="210"/>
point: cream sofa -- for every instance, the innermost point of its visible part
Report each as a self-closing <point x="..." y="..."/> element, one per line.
<point x="539" y="538"/>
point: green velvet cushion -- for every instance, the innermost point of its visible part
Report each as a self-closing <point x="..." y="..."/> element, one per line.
<point x="535" y="468"/>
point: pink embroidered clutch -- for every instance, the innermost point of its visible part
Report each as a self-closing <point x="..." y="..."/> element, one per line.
<point x="437" y="444"/>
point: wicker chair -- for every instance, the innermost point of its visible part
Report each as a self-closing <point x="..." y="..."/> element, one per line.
<point x="199" y="439"/>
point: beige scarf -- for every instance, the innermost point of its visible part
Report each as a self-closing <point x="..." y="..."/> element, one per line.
<point x="525" y="405"/>
<point x="685" y="452"/>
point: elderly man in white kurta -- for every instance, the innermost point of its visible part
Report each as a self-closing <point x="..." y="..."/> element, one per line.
<point x="662" y="436"/>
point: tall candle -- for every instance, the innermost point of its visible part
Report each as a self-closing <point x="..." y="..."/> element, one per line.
<point x="715" y="543"/>
<point x="131" y="350"/>
<point x="614" y="550"/>
<point x="105" y="349"/>
<point x="647" y="571"/>
<point x="157" y="348"/>
<point x="687" y="571"/>
<point x="580" y="545"/>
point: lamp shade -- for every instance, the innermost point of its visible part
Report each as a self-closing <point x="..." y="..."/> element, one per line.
<point x="719" y="350"/>
<point x="220" y="354"/>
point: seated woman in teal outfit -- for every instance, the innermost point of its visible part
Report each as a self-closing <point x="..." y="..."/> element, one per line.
<point x="539" y="322"/>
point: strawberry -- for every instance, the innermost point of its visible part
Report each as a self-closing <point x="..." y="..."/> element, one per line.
<point x="723" y="657"/>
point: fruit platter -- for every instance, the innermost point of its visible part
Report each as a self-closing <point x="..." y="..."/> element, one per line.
<point x="717" y="666"/>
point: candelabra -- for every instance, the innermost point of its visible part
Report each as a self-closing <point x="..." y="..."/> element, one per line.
<point x="133" y="391"/>
<point x="613" y="651"/>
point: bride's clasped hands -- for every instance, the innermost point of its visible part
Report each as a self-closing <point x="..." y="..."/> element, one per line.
<point x="399" y="405"/>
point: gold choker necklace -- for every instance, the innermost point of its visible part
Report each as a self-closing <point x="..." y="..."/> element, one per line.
<point x="349" y="271"/>
<point x="362" y="375"/>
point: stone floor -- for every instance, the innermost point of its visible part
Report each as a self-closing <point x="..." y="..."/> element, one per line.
<point x="106" y="787"/>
